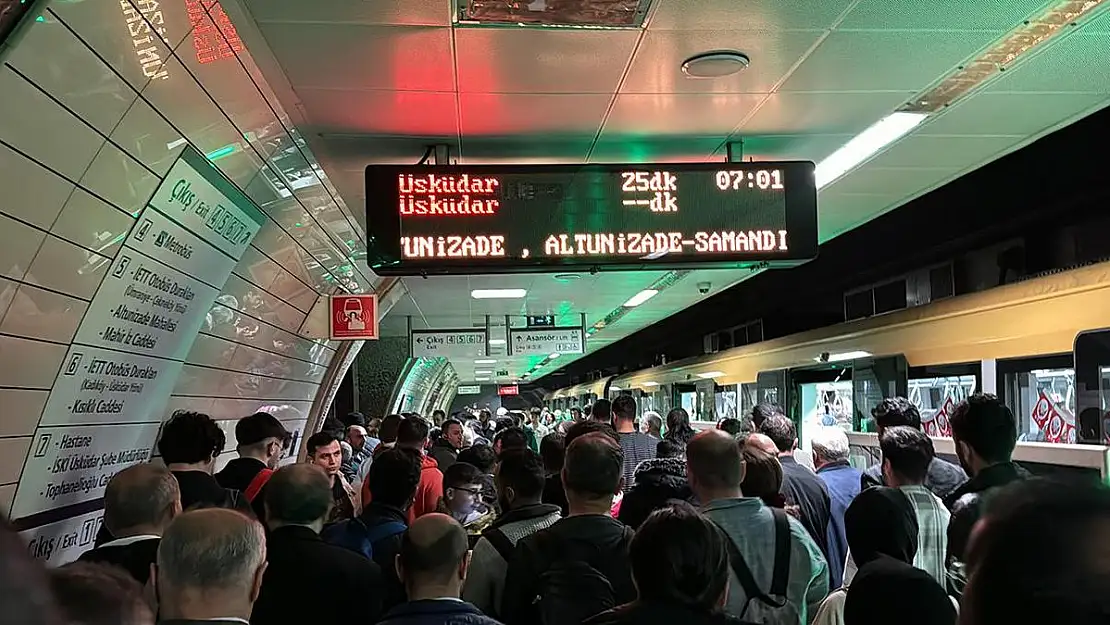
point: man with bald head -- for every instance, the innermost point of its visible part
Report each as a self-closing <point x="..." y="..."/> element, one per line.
<point x="210" y="567"/>
<point x="715" y="468"/>
<point x="298" y="498"/>
<point x="762" y="442"/>
<point x="139" y="503"/>
<point x="433" y="563"/>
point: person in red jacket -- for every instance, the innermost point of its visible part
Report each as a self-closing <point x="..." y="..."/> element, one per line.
<point x="412" y="433"/>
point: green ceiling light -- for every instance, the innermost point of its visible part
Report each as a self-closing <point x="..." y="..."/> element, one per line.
<point x="223" y="152"/>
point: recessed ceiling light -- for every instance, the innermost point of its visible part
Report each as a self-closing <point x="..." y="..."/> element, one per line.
<point x="498" y="293"/>
<point x="497" y="341"/>
<point x="640" y="298"/>
<point x="554" y="356"/>
<point x="715" y="64"/>
<point x="481" y="379"/>
<point x="487" y="361"/>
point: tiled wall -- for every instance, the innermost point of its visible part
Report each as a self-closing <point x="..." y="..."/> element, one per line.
<point x="86" y="134"/>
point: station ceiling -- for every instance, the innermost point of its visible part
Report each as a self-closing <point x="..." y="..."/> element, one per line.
<point x="377" y="81"/>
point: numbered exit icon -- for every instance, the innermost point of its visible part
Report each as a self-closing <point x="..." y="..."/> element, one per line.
<point x="121" y="267"/>
<point x="74" y="363"/>
<point x="44" y="444"/>
<point x="140" y="234"/>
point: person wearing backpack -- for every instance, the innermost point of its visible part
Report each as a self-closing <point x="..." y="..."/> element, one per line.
<point x="520" y="480"/>
<point x="377" y="532"/>
<point x="779" y="576"/>
<point x="579" y="566"/>
<point x="260" y="440"/>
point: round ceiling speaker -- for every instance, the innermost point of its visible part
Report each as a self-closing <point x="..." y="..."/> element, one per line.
<point x="715" y="64"/>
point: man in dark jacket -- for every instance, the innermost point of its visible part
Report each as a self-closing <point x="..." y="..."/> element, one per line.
<point x="800" y="486"/>
<point x="985" y="433"/>
<point x="658" y="481"/>
<point x="943" y="477"/>
<point x="139" y="503"/>
<point x="445" y="451"/>
<point x="260" y="440"/>
<point x="593" y="474"/>
<point x="433" y="564"/>
<point x="297" y="501"/>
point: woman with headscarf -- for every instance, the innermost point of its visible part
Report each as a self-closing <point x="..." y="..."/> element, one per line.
<point x="886" y="591"/>
<point x="879" y="524"/>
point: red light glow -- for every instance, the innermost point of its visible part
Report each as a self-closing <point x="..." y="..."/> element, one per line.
<point x="447" y="195"/>
<point x="215" y="38"/>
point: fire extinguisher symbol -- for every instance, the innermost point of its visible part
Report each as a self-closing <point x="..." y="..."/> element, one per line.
<point x="352" y="315"/>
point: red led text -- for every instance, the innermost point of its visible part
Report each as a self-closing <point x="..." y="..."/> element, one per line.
<point x="438" y="194"/>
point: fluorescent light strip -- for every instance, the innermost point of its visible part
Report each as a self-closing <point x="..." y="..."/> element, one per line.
<point x="554" y="356"/>
<point x="709" y="375"/>
<point x="483" y="373"/>
<point x="841" y="357"/>
<point x="498" y="294"/>
<point x="485" y="362"/>
<point x="865" y="145"/>
<point x="497" y="341"/>
<point x="650" y="384"/>
<point x="640" y="298"/>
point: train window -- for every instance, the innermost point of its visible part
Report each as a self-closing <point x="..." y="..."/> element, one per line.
<point x="1092" y="377"/>
<point x="1042" y="395"/>
<point x="725" y="402"/>
<point x="936" y="390"/>
<point x="748" y="397"/>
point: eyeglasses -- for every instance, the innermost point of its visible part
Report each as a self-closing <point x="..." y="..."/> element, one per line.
<point x="472" y="491"/>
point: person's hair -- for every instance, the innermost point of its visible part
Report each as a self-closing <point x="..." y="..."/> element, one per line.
<point x="189" y="438"/>
<point x="253" y="429"/>
<point x="830" y="443"/>
<point x="895" y="411"/>
<point x="553" y="450"/>
<point x="437" y="561"/>
<point x="1062" y="576"/>
<point x="24" y="587"/>
<point x="460" y="474"/>
<point x="91" y="593"/>
<point x="213" y="548"/>
<point x="680" y="556"/>
<point x="781" y="431"/>
<point x="762" y="475"/>
<point x="394" y="476"/>
<point x="335" y="427"/>
<point x="654" y="421"/>
<point x="353" y="418"/>
<point x="763" y="411"/>
<point x="511" y="438"/>
<point x="714" y="460"/>
<point x="142" y="494"/>
<point x="679" y="429"/>
<point x="594" y="466"/>
<point x="582" y="428"/>
<point x="669" y="449"/>
<point x="438" y="415"/>
<point x="881" y="521"/>
<point x="602" y="410"/>
<point x="481" y="456"/>
<point x="523" y="471"/>
<point x="318" y="441"/>
<point x="730" y="425"/>
<point x="412" y="432"/>
<point x="986" y="424"/>
<point x="387" y="430"/>
<point x="909" y="452"/>
<point x="624" y="407"/>
<point x="298" y="494"/>
<point x="448" y="423"/>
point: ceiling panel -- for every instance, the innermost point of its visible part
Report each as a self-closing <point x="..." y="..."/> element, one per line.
<point x="522" y="150"/>
<point x="873" y="61"/>
<point x="504" y="114"/>
<point x="789" y="147"/>
<point x="821" y="113"/>
<point x="932" y="151"/>
<point x="1026" y="113"/>
<point x="542" y="61"/>
<point x="1066" y="67"/>
<point x="891" y="181"/>
<point x="750" y="15"/>
<point x="641" y="115"/>
<point x="649" y="149"/>
<point x="420" y="113"/>
<point x="657" y="66"/>
<point x="945" y="15"/>
<point x="352" y="56"/>
<point x="374" y="12"/>
<point x="840" y="212"/>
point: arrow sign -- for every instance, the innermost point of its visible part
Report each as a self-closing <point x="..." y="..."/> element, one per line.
<point x="449" y="343"/>
<point x="544" y="341"/>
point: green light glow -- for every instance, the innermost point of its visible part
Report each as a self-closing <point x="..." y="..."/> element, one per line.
<point x="223" y="152"/>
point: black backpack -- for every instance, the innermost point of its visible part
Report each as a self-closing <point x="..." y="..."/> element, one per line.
<point x="574" y="586"/>
<point x="770" y="607"/>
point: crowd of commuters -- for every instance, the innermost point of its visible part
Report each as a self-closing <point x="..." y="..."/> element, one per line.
<point x="604" y="519"/>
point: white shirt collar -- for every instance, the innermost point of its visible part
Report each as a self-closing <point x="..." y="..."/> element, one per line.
<point x="127" y="540"/>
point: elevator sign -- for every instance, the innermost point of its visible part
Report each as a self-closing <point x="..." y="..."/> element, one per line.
<point x="354" y="317"/>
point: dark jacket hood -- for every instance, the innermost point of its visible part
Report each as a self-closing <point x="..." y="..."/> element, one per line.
<point x="662" y="471"/>
<point x="601" y="530"/>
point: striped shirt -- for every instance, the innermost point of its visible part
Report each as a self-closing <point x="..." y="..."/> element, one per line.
<point x="932" y="531"/>
<point x="637" y="447"/>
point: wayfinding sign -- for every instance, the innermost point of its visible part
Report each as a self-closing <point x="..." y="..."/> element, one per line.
<point x="448" y="343"/>
<point x="108" y="400"/>
<point x="542" y="342"/>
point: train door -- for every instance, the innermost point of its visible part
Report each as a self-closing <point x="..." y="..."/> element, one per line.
<point x="686" y="396"/>
<point x="819" y="396"/>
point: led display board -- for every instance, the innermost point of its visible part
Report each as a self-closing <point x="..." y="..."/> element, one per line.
<point x="426" y="219"/>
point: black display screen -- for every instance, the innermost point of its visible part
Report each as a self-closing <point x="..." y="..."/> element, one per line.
<point x="489" y="219"/>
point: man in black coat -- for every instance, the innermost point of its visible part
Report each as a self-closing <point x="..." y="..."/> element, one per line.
<point x="301" y="564"/>
<point x="800" y="486"/>
<point x="942" y="478"/>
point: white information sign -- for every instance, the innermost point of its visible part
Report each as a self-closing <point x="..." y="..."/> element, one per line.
<point x="473" y="389"/>
<point x="448" y="343"/>
<point x="63" y="541"/>
<point x="109" y="398"/>
<point x="542" y="342"/>
<point x="69" y="465"/>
